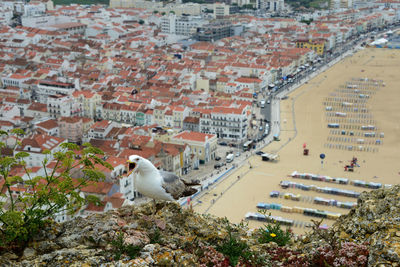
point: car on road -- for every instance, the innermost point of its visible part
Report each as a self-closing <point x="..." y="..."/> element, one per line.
<point x="259" y="153"/>
<point x="222" y="143"/>
<point x="218" y="165"/>
<point x="261" y="128"/>
<point x="217" y="158"/>
<point x="237" y="154"/>
<point x="269" y="101"/>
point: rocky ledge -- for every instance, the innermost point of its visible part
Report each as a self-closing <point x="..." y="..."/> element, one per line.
<point x="173" y="236"/>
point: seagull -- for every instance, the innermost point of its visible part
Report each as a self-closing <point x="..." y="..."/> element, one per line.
<point x="157" y="184"/>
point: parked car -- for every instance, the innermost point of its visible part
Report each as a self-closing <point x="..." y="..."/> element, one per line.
<point x="218" y="165"/>
<point x="217" y="158"/>
<point x="259" y="153"/>
<point x="222" y="143"/>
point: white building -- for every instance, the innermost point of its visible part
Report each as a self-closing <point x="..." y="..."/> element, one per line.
<point x="6" y="15"/>
<point x="34" y="9"/>
<point x="48" y="88"/>
<point x="41" y="21"/>
<point x="100" y="129"/>
<point x="14" y="80"/>
<point x="271" y="5"/>
<point x="63" y="106"/>
<point x="127" y="187"/>
<point x="184" y="25"/>
<point x="226" y="122"/>
<point x="220" y="10"/>
<point x="36" y="145"/>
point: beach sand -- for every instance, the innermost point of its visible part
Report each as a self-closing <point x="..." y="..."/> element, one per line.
<point x="304" y="111"/>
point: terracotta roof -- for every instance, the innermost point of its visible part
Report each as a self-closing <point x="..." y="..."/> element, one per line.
<point x="38" y="107"/>
<point x="70" y="119"/>
<point x="193" y="120"/>
<point x="101" y="188"/>
<point x="40" y="141"/>
<point x="193" y="136"/>
<point x="96" y="208"/>
<point x="48" y="125"/>
<point x="116" y="200"/>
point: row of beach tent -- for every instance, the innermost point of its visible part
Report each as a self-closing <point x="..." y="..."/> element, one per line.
<point x="325" y="190"/>
<point x="337" y="180"/>
<point x="266" y="218"/>
<point x="316" y="200"/>
<point x="301" y="210"/>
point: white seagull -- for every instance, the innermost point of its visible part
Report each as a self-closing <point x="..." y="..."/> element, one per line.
<point x="156" y="184"/>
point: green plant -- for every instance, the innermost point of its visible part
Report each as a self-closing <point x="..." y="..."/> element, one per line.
<point x="22" y="216"/>
<point x="272" y="232"/>
<point x="235" y="250"/>
<point x="155" y="236"/>
<point x="119" y="248"/>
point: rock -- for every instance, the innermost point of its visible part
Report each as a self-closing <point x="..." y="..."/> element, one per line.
<point x="184" y="238"/>
<point x="29" y="253"/>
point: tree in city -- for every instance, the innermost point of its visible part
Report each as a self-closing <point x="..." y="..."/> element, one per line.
<point x="55" y="192"/>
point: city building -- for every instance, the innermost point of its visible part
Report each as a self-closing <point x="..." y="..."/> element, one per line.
<point x="220" y="10"/>
<point x="100" y="129"/>
<point x="46" y="88"/>
<point x="271" y="5"/>
<point x="74" y="128"/>
<point x="225" y="122"/>
<point x="63" y="106"/>
<point x="203" y="145"/>
<point x="214" y="31"/>
<point x="49" y="127"/>
<point x="183" y="25"/>
<point x="36" y="144"/>
<point x="316" y="45"/>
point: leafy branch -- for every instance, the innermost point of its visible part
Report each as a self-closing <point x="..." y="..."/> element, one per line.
<point x="44" y="196"/>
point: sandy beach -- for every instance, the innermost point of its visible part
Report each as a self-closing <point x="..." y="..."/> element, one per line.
<point x="304" y="119"/>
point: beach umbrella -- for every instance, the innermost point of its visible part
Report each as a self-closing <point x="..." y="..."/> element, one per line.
<point x="304" y="145"/>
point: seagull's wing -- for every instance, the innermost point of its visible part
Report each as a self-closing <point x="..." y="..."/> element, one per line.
<point x="172" y="184"/>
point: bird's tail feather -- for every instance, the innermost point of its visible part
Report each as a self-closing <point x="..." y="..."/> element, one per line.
<point x="189" y="191"/>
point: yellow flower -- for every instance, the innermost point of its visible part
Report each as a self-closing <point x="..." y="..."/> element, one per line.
<point x="272" y="234"/>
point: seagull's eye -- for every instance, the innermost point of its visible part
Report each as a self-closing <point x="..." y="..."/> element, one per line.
<point x="137" y="159"/>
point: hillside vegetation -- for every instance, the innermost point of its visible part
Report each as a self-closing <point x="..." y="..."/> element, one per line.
<point x="173" y="236"/>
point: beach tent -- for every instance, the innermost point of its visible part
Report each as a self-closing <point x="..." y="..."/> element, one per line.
<point x="269" y="157"/>
<point x="379" y="42"/>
